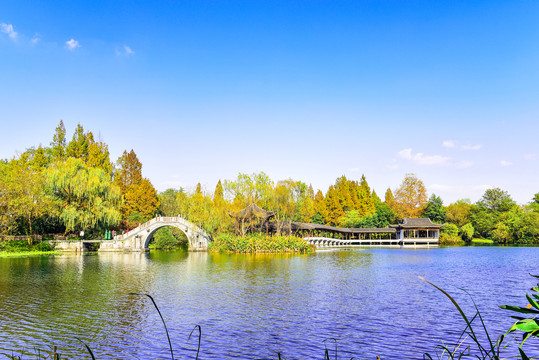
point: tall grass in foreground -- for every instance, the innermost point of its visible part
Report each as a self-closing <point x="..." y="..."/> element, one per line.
<point x="259" y="243"/>
<point x="491" y="349"/>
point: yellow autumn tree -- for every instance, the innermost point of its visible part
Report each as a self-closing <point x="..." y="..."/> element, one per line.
<point x="333" y="207"/>
<point x="320" y="210"/>
<point x="410" y="198"/>
<point x="140" y="197"/>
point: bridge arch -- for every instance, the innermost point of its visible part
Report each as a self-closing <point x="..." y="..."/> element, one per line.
<point x="149" y="236"/>
<point x="139" y="238"/>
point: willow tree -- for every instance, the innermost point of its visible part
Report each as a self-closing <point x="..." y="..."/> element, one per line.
<point x="87" y="198"/>
<point x="249" y="189"/>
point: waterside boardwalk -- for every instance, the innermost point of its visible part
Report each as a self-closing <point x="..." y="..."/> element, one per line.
<point x="411" y="232"/>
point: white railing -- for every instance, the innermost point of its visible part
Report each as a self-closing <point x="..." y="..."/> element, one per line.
<point x="155" y="220"/>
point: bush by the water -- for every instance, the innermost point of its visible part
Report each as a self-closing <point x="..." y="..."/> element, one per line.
<point x="22" y="246"/>
<point x="449" y="235"/>
<point x="257" y="243"/>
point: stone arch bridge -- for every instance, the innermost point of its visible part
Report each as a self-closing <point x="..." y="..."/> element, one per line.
<point x="139" y="238"/>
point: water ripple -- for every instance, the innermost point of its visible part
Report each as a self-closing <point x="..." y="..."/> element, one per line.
<point x="253" y="306"/>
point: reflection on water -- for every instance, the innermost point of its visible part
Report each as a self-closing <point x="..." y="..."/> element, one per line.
<point x="250" y="306"/>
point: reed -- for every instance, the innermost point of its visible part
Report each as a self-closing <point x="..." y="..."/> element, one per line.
<point x="490" y="350"/>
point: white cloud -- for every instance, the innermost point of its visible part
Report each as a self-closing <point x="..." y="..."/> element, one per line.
<point x="464" y="164"/>
<point x="530" y="156"/>
<point x="35" y="39"/>
<point x="128" y="50"/>
<point x="423" y="159"/>
<point x="448" y="144"/>
<point x="354" y="169"/>
<point x="125" y="51"/>
<point x="471" y="147"/>
<point x="8" y="29"/>
<point x="505" y="163"/>
<point x="72" y="44"/>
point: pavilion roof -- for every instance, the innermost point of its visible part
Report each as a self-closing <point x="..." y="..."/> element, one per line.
<point x="417" y="223"/>
<point x="252" y="211"/>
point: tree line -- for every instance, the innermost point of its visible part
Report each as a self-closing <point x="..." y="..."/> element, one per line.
<point x="72" y="186"/>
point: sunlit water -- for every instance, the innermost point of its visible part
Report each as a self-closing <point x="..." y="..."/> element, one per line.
<point x="253" y="306"/>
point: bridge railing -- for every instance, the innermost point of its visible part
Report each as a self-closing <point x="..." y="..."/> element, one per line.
<point x="147" y="224"/>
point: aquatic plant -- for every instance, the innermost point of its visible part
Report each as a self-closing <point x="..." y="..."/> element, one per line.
<point x="491" y="349"/>
<point x="258" y="243"/>
<point x="528" y="326"/>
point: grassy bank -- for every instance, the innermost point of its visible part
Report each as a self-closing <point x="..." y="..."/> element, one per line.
<point x="483" y="241"/>
<point x="259" y="243"/>
<point x="22" y="248"/>
<point x="25" y="253"/>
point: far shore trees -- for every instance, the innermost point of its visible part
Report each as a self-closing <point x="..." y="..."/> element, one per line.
<point x="73" y="185"/>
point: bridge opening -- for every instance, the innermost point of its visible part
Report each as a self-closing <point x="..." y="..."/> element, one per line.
<point x="168" y="238"/>
<point x="90" y="246"/>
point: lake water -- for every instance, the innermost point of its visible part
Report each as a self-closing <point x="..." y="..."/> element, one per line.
<point x="253" y="306"/>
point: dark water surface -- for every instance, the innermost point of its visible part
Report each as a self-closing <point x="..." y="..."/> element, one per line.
<point x="251" y="306"/>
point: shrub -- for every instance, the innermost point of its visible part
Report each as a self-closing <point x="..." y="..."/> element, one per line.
<point x="467" y="231"/>
<point x="450" y="235"/>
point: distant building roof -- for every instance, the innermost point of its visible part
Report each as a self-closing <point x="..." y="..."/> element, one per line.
<point x="417" y="223"/>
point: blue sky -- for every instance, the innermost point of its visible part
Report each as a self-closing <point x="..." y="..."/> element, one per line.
<point x="311" y="90"/>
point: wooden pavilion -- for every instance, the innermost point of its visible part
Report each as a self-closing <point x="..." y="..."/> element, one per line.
<point x="252" y="216"/>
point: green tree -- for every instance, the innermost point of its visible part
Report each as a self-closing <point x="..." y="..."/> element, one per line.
<point x="78" y="146"/>
<point x="23" y="195"/>
<point x="86" y="196"/>
<point x="501" y="233"/>
<point x="168" y="238"/>
<point x="492" y="212"/>
<point x="376" y="200"/>
<point x="98" y="154"/>
<point x="434" y="209"/>
<point x="58" y="143"/>
<point x="467" y="232"/>
<point x="496" y="199"/>
<point x="449" y="234"/>
<point x="458" y="212"/>
<point x="247" y="189"/>
<point x="168" y="202"/>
